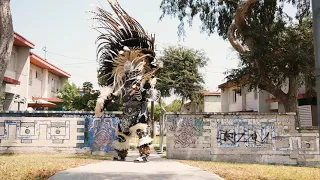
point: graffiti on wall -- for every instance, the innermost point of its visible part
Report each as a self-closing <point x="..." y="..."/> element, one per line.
<point x="28" y="131"/>
<point x="186" y="130"/>
<point x="236" y="132"/>
<point x="102" y="133"/>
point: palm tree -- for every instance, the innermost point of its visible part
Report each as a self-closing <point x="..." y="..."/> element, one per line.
<point x="87" y="86"/>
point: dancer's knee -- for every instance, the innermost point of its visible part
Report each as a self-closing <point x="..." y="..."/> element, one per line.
<point x="144" y="150"/>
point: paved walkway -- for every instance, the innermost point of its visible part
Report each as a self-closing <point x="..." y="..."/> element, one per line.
<point x="157" y="168"/>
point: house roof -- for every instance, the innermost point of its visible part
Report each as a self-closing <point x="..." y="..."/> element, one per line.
<point x="211" y="93"/>
<point x="232" y="83"/>
<point x="40" y="62"/>
<point x="21" y="41"/>
<point x="49" y="99"/>
<point x="11" y="81"/>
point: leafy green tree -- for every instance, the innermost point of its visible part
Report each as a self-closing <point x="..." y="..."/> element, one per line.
<point x="274" y="50"/>
<point x="88" y="101"/>
<point x="157" y="112"/>
<point x="74" y="101"/>
<point x="180" y="73"/>
<point x="69" y="92"/>
<point x="87" y="86"/>
<point x="91" y="104"/>
<point x="175" y="106"/>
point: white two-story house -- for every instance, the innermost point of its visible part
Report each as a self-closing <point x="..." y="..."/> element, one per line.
<point x="45" y="79"/>
<point x="29" y="77"/>
<point x="15" y="87"/>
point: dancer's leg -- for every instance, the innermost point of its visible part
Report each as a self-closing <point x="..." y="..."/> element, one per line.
<point x="121" y="146"/>
<point x="144" y="150"/>
<point x="143" y="133"/>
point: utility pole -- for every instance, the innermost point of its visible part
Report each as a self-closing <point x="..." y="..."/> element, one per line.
<point x="316" y="37"/>
<point x="152" y="102"/>
<point x="45" y="52"/>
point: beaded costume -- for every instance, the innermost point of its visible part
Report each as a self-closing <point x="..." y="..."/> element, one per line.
<point x="127" y="64"/>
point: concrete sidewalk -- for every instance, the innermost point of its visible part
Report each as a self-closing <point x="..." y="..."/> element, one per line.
<point x="157" y="168"/>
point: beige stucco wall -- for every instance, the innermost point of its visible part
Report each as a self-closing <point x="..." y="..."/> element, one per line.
<point x="44" y="86"/>
<point x="230" y="138"/>
<point x="235" y="106"/>
<point x="225" y="100"/>
<point x="35" y="87"/>
<point x="264" y="107"/>
<point x="18" y="70"/>
<point x="61" y="81"/>
<point x="212" y="104"/>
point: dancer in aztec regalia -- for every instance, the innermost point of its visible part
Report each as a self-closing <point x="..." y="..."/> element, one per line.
<point x="127" y="65"/>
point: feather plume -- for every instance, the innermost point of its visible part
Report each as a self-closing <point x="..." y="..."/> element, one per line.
<point x="121" y="36"/>
<point x="105" y="93"/>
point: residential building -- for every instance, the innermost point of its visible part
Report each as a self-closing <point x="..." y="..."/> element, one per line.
<point x="15" y="87"/>
<point x="236" y="98"/>
<point x="29" y="77"/>
<point x="210" y="102"/>
<point x="45" y="79"/>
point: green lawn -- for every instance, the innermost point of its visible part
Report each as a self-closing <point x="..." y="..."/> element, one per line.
<point x="237" y="171"/>
<point x="41" y="166"/>
<point x="157" y="140"/>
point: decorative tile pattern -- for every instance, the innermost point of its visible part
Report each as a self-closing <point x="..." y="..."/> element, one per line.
<point x="102" y="133"/>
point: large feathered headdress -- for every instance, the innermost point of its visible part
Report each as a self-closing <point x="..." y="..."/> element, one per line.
<point x="123" y="47"/>
<point x="125" y="52"/>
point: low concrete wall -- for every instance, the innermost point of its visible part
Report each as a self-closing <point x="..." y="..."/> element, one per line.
<point x="247" y="138"/>
<point x="49" y="131"/>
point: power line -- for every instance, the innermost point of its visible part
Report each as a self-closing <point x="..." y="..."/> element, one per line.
<point x="87" y="60"/>
<point x="78" y="63"/>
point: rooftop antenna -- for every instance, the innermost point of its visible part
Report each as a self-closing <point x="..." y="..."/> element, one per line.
<point x="45" y="52"/>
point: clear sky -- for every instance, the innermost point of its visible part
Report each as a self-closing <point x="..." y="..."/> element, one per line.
<point x="63" y="28"/>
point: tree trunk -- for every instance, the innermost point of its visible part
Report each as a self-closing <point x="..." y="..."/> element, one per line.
<point x="240" y="26"/>
<point x="6" y="37"/>
<point x="291" y="105"/>
<point x="182" y="103"/>
<point x="291" y="102"/>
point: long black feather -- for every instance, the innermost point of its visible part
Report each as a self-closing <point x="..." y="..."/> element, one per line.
<point x="120" y="30"/>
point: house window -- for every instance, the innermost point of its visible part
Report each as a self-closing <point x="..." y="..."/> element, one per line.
<point x="38" y="75"/>
<point x="30" y="77"/>
<point x="55" y="85"/>
<point x="255" y="93"/>
<point x="233" y="96"/>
